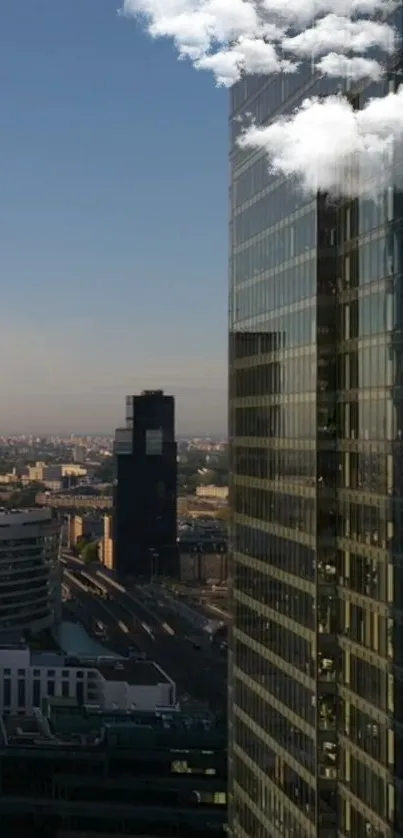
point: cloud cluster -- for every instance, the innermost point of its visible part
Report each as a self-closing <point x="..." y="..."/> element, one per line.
<point x="234" y="37"/>
<point x="324" y="144"/>
<point x="330" y="146"/>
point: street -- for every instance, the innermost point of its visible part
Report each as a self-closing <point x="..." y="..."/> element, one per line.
<point x="198" y="670"/>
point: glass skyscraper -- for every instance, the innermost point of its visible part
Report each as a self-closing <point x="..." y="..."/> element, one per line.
<point x="316" y="566"/>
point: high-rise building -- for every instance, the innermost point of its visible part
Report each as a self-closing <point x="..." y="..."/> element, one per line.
<point x="145" y="517"/>
<point x="30" y="574"/>
<point x="316" y="567"/>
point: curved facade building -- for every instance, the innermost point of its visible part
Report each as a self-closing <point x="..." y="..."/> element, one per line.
<point x="30" y="576"/>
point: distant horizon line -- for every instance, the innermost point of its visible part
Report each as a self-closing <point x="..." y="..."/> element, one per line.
<point x="180" y="434"/>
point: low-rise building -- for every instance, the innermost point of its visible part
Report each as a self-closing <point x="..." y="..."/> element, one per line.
<point x="27" y="678"/>
<point x="106" y="543"/>
<point x="203" y="547"/>
<point x="218" y="492"/>
<point x="48" y="473"/>
<point x="11" y="477"/>
<point x="83" y="527"/>
<point x="74" y="770"/>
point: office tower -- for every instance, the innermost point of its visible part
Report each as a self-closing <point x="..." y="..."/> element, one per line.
<point x="316" y="578"/>
<point x="145" y="523"/>
<point x="79" y="454"/>
<point x="30" y="576"/>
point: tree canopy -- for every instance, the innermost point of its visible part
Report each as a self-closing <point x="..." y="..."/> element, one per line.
<point x="89" y="552"/>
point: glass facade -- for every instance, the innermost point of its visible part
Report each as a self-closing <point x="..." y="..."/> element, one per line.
<point x="316" y="437"/>
<point x="29" y="571"/>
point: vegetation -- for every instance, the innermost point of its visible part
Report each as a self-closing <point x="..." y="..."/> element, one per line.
<point x="23" y="497"/>
<point x="89" y="551"/>
<point x="196" y="469"/>
<point x="106" y="471"/>
<point x="223" y="514"/>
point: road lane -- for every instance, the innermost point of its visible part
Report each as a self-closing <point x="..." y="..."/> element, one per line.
<point x="198" y="674"/>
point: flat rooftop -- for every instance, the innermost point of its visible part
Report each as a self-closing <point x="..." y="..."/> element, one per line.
<point x="138" y="673"/>
<point x="134" y="672"/>
<point x="65" y="722"/>
<point x="23" y="516"/>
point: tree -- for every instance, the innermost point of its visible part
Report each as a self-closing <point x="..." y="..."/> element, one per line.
<point x="89" y="552"/>
<point x="22" y="498"/>
<point x="223" y="514"/>
<point x="106" y="471"/>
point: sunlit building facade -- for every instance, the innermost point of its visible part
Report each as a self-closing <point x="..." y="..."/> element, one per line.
<point x="316" y="560"/>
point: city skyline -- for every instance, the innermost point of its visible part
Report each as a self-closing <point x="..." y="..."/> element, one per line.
<point x="100" y="238"/>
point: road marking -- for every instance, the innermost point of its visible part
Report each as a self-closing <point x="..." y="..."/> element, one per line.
<point x="148" y="630"/>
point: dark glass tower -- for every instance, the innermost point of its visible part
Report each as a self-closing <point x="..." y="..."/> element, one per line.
<point x="316" y="566"/>
<point x="145" y="519"/>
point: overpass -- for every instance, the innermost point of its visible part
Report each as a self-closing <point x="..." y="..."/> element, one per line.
<point x="75" y="503"/>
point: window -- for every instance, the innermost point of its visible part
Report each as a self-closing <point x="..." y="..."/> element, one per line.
<point x="51" y="687"/>
<point x="154" y="442"/>
<point x="36" y="693"/>
<point x="21" y="693"/>
<point x="65" y="689"/>
<point x="21" y="673"/>
<point x="7" y="692"/>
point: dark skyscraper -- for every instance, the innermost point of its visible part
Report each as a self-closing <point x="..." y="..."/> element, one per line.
<point x="316" y="348"/>
<point x="145" y="522"/>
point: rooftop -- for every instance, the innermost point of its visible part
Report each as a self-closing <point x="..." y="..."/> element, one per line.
<point x="52" y="660"/>
<point x="23" y="516"/>
<point x="134" y="672"/>
<point x="145" y="673"/>
<point x="64" y="722"/>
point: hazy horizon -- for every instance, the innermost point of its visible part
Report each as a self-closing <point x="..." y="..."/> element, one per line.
<point x="103" y="412"/>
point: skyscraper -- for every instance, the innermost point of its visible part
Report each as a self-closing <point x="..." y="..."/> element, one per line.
<point x="145" y="523"/>
<point x="316" y="572"/>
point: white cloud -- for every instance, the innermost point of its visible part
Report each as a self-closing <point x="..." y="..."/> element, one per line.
<point x="340" y="33"/>
<point x="305" y="11"/>
<point x="325" y="144"/>
<point x="329" y="146"/>
<point x="195" y="25"/>
<point x="245" y="57"/>
<point x="335" y="65"/>
<point x="235" y="37"/>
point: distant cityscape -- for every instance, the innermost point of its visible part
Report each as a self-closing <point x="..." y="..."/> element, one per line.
<point x="113" y="556"/>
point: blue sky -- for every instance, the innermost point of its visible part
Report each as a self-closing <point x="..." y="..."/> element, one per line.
<point x="113" y="221"/>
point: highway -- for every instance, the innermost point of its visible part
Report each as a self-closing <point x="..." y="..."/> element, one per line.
<point x="200" y="673"/>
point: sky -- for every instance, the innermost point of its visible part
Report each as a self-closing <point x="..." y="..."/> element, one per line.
<point x="113" y="222"/>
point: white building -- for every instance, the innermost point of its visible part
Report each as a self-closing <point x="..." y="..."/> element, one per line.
<point x="26" y="678"/>
<point x="43" y="473"/>
<point x="213" y="492"/>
